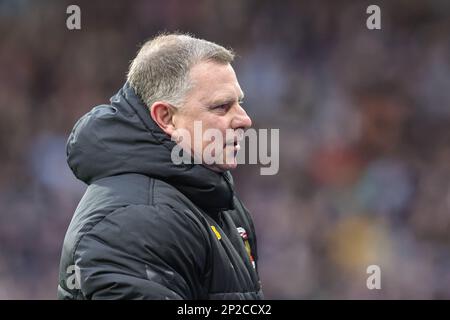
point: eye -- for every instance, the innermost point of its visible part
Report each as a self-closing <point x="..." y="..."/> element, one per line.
<point x="221" y="107"/>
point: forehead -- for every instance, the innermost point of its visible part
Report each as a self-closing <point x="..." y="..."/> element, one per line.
<point x="214" y="81"/>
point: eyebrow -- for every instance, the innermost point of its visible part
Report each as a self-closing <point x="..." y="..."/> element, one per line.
<point x="224" y="100"/>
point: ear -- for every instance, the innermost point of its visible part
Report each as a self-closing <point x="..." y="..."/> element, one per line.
<point x="162" y="113"/>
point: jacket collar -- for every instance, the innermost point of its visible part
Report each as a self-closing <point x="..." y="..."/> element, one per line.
<point x="122" y="138"/>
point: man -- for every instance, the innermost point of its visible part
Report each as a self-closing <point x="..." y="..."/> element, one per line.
<point x="148" y="228"/>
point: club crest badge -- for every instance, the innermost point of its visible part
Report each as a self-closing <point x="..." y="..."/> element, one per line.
<point x="244" y="237"/>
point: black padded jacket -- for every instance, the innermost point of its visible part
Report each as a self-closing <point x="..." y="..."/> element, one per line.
<point x="147" y="228"/>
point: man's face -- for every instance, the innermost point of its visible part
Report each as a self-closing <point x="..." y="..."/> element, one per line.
<point x="214" y="101"/>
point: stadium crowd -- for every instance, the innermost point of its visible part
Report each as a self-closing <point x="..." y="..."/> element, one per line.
<point x="364" y="119"/>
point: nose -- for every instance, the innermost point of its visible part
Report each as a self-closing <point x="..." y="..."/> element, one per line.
<point x="241" y="120"/>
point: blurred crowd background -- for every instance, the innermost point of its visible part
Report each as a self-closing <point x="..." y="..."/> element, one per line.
<point x="364" y="119"/>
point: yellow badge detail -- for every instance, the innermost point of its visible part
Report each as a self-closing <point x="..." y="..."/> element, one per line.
<point x="216" y="232"/>
<point x="247" y="247"/>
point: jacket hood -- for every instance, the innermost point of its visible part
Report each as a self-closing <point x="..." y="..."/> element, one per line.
<point x="121" y="137"/>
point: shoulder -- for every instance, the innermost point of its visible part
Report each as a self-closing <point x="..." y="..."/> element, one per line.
<point x="145" y="248"/>
<point x="133" y="188"/>
<point x="138" y="211"/>
<point x="142" y="209"/>
<point x="152" y="234"/>
<point x="148" y="221"/>
<point x="136" y="241"/>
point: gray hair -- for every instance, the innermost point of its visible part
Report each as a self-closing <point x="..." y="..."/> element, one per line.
<point x="160" y="71"/>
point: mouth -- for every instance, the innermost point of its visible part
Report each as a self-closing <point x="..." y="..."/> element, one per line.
<point x="233" y="143"/>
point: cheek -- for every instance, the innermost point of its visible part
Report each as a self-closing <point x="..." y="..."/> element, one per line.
<point x="214" y="133"/>
<point x="216" y="123"/>
<point x="207" y="125"/>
